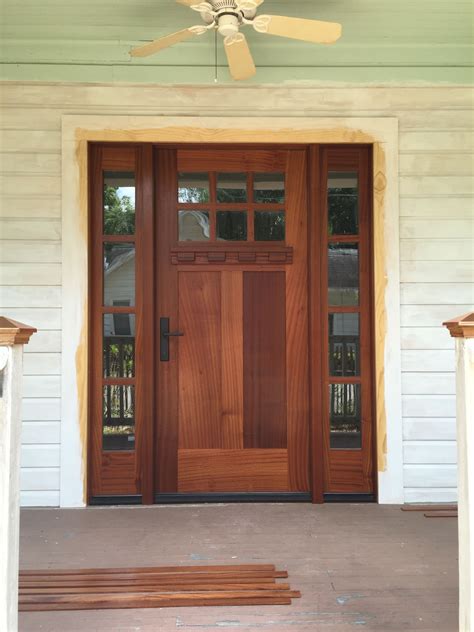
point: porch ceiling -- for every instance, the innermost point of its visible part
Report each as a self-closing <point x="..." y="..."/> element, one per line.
<point x="372" y="566"/>
<point x="382" y="41"/>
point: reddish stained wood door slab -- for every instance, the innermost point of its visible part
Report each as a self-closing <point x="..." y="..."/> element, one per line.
<point x="233" y="397"/>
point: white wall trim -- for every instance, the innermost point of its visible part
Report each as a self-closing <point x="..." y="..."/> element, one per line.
<point x="78" y="129"/>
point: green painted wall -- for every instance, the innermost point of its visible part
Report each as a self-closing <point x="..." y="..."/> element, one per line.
<point x="383" y="41"/>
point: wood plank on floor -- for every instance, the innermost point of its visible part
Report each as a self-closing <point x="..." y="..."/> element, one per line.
<point x="441" y="514"/>
<point x="224" y="568"/>
<point x="445" y="507"/>
<point x="64" y="590"/>
<point x="153" y="600"/>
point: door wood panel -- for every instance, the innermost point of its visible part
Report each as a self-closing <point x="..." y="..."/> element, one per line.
<point x="199" y="360"/>
<point x="264" y="329"/>
<point x="233" y="470"/>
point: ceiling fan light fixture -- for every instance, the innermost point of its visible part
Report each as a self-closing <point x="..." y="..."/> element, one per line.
<point x="228" y="24"/>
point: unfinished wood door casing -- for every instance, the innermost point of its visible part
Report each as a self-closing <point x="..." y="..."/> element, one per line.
<point x="250" y="304"/>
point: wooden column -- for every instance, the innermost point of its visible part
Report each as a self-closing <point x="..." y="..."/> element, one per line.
<point x="13" y="336"/>
<point x="462" y="328"/>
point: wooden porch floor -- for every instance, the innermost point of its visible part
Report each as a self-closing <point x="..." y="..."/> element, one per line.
<point x="369" y="567"/>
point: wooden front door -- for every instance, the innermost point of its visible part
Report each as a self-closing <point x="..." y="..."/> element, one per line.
<point x="232" y="385"/>
<point x="230" y="323"/>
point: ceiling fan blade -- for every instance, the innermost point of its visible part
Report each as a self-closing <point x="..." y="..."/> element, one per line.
<point x="298" y="28"/>
<point x="239" y="57"/>
<point x="168" y="40"/>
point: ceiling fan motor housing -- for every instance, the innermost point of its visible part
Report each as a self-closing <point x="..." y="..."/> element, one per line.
<point x="219" y="5"/>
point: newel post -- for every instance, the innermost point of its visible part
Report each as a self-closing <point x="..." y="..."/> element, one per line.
<point x="462" y="328"/>
<point x="13" y="336"/>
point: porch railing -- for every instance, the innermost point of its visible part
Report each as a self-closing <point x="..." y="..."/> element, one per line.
<point x="462" y="329"/>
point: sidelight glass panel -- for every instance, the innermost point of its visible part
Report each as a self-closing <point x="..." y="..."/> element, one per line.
<point x="118" y="429"/>
<point x="193" y="188"/>
<point x="193" y="225"/>
<point x="269" y="226"/>
<point x="343" y="274"/>
<point x="119" y="203"/>
<point x="344" y="345"/>
<point x="343" y="201"/>
<point x="119" y="274"/>
<point x="269" y="188"/>
<point x="231" y="225"/>
<point x="344" y="411"/>
<point x="119" y="345"/>
<point x="231" y="187"/>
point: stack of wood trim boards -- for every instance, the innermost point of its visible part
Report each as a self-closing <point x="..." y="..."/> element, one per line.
<point x="154" y="587"/>
<point x="434" y="511"/>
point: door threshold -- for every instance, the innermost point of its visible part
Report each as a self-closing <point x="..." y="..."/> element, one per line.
<point x="349" y="498"/>
<point x="240" y="497"/>
<point x="101" y="501"/>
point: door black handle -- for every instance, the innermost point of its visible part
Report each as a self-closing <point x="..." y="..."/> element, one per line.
<point x="165" y="335"/>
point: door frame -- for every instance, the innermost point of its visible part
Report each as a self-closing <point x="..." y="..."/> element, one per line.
<point x="382" y="133"/>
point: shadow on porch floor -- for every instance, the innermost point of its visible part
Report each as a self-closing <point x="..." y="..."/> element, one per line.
<point x="369" y="567"/>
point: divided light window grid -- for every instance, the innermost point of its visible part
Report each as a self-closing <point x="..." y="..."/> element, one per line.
<point x="118" y="310"/>
<point x="231" y="207"/>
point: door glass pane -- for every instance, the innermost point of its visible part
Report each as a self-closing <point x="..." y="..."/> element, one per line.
<point x="119" y="203"/>
<point x="193" y="188"/>
<point x="344" y="411"/>
<point x="269" y="188"/>
<point x="344" y="344"/>
<point x="269" y="226"/>
<point x="232" y="225"/>
<point x="119" y="274"/>
<point x="343" y="274"/>
<point x="231" y="187"/>
<point x="193" y="225"/>
<point x="119" y="345"/>
<point x="343" y="203"/>
<point x="118" y="418"/>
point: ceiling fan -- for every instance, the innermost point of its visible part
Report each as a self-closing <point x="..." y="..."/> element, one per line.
<point x="227" y="16"/>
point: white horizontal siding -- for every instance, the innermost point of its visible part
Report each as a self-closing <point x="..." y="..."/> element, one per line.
<point x="44" y="341"/>
<point x="429" y="452"/>
<point x="48" y="498"/>
<point x="429" y="428"/>
<point x="433" y="475"/>
<point x="428" y="383"/>
<point x="433" y="495"/>
<point x="42" y="364"/>
<point x="429" y="405"/>
<point x="430" y="315"/>
<point x="436" y="245"/>
<point x="35" y="386"/>
<point x="44" y="479"/>
<point x="40" y="432"/>
<point x="40" y="455"/>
